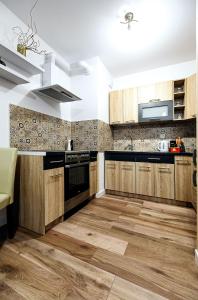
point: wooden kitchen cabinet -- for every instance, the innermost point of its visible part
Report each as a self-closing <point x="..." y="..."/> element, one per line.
<point x="127" y="177"/>
<point x="183" y="178"/>
<point x="130" y="106"/>
<point x="145" y="180"/>
<point x="116" y="107"/>
<point x="123" y="106"/>
<point x="159" y="90"/>
<point x="190" y="98"/>
<point x="53" y="194"/>
<point x="112" y="175"/>
<point x="93" y="178"/>
<point x="164" y="181"/>
<point x="41" y="193"/>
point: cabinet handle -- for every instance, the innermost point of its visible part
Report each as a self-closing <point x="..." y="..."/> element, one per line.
<point x="164" y="168"/>
<point x="184" y="163"/>
<point x="126" y="168"/>
<point x="130" y="121"/>
<point x="143" y="168"/>
<point x="154" y="158"/>
<point x="57" y="175"/>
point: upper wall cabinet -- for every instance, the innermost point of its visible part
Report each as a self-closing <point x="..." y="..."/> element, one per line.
<point x="190" y="99"/>
<point x="161" y="91"/>
<point x="123" y="106"/>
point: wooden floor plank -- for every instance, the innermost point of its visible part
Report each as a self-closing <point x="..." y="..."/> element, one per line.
<point x="123" y="290"/>
<point x="92" y="237"/>
<point x="75" y="278"/>
<point x="114" y="248"/>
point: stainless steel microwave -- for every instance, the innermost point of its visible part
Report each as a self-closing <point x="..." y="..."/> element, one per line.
<point x="155" y="111"/>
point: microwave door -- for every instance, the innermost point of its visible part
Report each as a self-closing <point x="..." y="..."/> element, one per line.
<point x="155" y="111"/>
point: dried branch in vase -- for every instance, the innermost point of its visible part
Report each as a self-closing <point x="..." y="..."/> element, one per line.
<point x="26" y="40"/>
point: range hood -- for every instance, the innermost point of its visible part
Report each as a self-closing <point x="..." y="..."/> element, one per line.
<point x="54" y="80"/>
<point x="57" y="93"/>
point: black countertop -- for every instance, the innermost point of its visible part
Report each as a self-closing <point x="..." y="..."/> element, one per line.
<point x="158" y="153"/>
<point x="152" y="157"/>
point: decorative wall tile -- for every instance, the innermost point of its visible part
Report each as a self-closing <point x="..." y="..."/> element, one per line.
<point x="30" y="130"/>
<point x="92" y="135"/>
<point x="147" y="137"/>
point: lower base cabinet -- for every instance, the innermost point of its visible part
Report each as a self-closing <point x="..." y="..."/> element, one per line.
<point x="164" y="181"/>
<point x="112" y="175"/>
<point x="93" y="178"/>
<point x="183" y="178"/>
<point x="127" y="177"/>
<point x="145" y="179"/>
<point x="169" y="181"/>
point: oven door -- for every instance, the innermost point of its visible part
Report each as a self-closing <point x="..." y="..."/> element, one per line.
<point x="76" y="179"/>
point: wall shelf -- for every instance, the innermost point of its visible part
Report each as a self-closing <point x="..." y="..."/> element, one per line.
<point x="12" y="76"/>
<point x="19" y="60"/>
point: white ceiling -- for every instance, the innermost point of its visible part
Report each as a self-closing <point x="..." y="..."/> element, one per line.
<point x="81" y="29"/>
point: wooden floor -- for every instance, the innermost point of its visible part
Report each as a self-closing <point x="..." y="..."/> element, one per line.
<point x="111" y="249"/>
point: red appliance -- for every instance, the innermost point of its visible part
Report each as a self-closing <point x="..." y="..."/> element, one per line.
<point x="175" y="149"/>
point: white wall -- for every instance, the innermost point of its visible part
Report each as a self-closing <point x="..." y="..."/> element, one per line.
<point x="21" y="95"/>
<point x="171" y="72"/>
<point x="94" y="90"/>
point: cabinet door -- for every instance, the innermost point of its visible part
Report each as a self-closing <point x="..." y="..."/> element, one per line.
<point x="183" y="178"/>
<point x="146" y="93"/>
<point x="116" y="107"/>
<point x="93" y="178"/>
<point x="130" y="105"/>
<point x="190" y="111"/>
<point x="54" y="194"/>
<point x="159" y="90"/>
<point x="145" y="178"/>
<point x="127" y="177"/>
<point x="164" y="181"/>
<point x="164" y="90"/>
<point x="112" y="176"/>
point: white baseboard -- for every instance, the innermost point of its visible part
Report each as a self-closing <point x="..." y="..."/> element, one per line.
<point x="196" y="257"/>
<point x="100" y="194"/>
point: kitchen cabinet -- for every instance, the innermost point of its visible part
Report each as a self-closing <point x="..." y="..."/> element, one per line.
<point x="41" y="193"/>
<point x="183" y="178"/>
<point x="159" y="90"/>
<point x="130" y="106"/>
<point x="190" y="98"/>
<point x="123" y="106"/>
<point x="164" y="181"/>
<point x="112" y="175"/>
<point x="145" y="178"/>
<point x="93" y="178"/>
<point x="127" y="177"/>
<point x="53" y="194"/>
<point x="116" y="107"/>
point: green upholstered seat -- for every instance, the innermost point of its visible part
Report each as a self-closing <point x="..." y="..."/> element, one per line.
<point x="4" y="200"/>
<point x="8" y="158"/>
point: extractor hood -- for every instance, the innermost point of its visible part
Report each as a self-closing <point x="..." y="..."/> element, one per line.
<point x="55" y="79"/>
<point x="57" y="93"/>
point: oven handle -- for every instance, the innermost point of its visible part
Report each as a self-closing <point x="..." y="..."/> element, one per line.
<point x="77" y="165"/>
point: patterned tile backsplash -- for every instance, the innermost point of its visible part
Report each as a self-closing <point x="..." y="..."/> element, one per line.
<point x="147" y="137"/>
<point x="92" y="134"/>
<point x="30" y="130"/>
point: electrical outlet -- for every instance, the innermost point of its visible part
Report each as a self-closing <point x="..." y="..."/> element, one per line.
<point x="162" y="136"/>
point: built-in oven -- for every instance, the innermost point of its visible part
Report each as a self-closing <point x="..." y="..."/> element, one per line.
<point x="155" y="111"/>
<point x="76" y="178"/>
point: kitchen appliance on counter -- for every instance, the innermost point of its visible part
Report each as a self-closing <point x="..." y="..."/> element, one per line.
<point x="76" y="178"/>
<point x="155" y="110"/>
<point x="163" y="146"/>
<point x="69" y="145"/>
